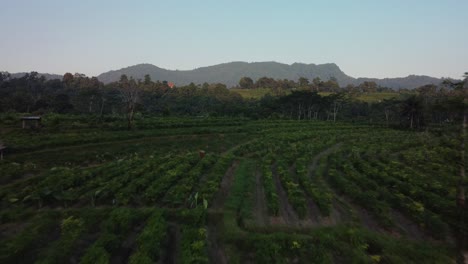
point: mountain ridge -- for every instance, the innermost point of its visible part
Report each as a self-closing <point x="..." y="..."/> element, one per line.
<point x="230" y="73"/>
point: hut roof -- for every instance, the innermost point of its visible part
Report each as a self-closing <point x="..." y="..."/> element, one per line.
<point x="31" y="118"/>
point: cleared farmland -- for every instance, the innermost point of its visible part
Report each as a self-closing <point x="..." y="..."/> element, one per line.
<point x="270" y="191"/>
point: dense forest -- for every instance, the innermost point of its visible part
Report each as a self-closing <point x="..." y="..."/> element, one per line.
<point x="302" y="100"/>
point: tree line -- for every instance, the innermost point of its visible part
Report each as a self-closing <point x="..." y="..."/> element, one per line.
<point x="318" y="85"/>
<point x="79" y="94"/>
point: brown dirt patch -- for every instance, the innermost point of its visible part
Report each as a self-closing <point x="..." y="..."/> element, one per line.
<point x="128" y="245"/>
<point x="217" y="253"/>
<point x="11" y="229"/>
<point x="172" y="251"/>
<point x="407" y="227"/>
<point x="315" y="160"/>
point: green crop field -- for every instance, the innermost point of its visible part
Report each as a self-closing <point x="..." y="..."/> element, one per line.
<point x="218" y="190"/>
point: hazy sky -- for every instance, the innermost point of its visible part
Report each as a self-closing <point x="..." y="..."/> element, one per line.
<point x="365" y="38"/>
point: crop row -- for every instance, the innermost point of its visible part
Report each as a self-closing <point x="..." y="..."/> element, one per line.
<point x="295" y="194"/>
<point x="269" y="186"/>
<point x="155" y="192"/>
<point x="178" y="194"/>
<point x="150" y="241"/>
<point x="208" y="186"/>
<point x="314" y="188"/>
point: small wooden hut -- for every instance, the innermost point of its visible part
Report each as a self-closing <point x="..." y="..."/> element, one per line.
<point x="31" y="121"/>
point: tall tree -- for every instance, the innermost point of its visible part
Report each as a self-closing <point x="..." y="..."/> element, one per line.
<point x="246" y="83"/>
<point x="130" y="93"/>
<point x="303" y="82"/>
<point x="411" y="109"/>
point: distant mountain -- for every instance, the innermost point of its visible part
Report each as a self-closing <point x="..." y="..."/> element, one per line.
<point x="410" y="82"/>
<point x="230" y="74"/>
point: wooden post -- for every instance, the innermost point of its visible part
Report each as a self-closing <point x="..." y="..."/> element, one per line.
<point x="201" y="153"/>
<point x="2" y="147"/>
<point x="24" y="123"/>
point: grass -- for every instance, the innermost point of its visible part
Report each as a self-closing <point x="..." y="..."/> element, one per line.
<point x="369" y="98"/>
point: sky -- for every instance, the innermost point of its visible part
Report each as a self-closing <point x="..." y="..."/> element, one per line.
<point x="365" y="38"/>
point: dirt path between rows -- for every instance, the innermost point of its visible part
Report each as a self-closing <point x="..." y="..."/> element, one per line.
<point x="313" y="216"/>
<point x="286" y="210"/>
<point x="128" y="245"/>
<point x="225" y="187"/>
<point x="407" y="227"/>
<point x="216" y="252"/>
<point x="172" y="251"/>
<point x="326" y="152"/>
<point x="260" y="210"/>
<point x="215" y="245"/>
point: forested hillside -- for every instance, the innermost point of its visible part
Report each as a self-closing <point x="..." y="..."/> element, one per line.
<point x="230" y="73"/>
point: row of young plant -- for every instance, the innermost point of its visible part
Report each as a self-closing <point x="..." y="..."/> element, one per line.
<point x="102" y="236"/>
<point x="193" y="247"/>
<point x="179" y="193"/>
<point x="27" y="244"/>
<point x="119" y="182"/>
<point x="314" y="188"/>
<point x="158" y="188"/>
<point x="240" y="199"/>
<point x="74" y="227"/>
<point x="150" y="241"/>
<point x="12" y="171"/>
<point x="341" y="244"/>
<point x="436" y="195"/>
<point x="430" y="159"/>
<point x="365" y="192"/>
<point x="269" y="186"/>
<point x="114" y="191"/>
<point x="113" y="231"/>
<point x="294" y="192"/>
<point x="410" y="198"/>
<point x="207" y="187"/>
<point x="132" y="192"/>
<point x="55" y="135"/>
<point x="380" y="186"/>
<point x="62" y="185"/>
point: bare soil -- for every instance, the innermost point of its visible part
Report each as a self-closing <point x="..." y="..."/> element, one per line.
<point x="315" y="160"/>
<point x="366" y="219"/>
<point x="81" y="246"/>
<point x="407" y="227"/>
<point x="173" y="245"/>
<point x="286" y="210"/>
<point x="260" y="210"/>
<point x="226" y="184"/>
<point x="216" y="249"/>
<point x="128" y="245"/>
<point x="11" y="229"/>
